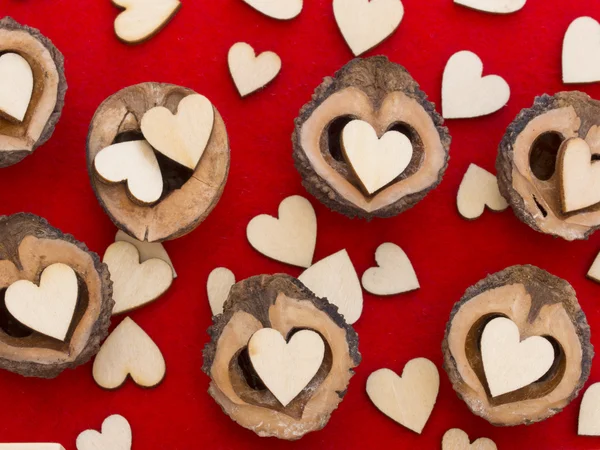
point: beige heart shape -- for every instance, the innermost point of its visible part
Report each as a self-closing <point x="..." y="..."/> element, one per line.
<point x="182" y="137"/>
<point x="455" y="439"/>
<point x="478" y="189"/>
<point x="147" y="250"/>
<point x="49" y="307"/>
<point x="493" y="6"/>
<point x="394" y="275"/>
<point x="581" y="51"/>
<point x="579" y="176"/>
<point x="116" y="435"/>
<point x="142" y="19"/>
<point x="589" y="412"/>
<point x="250" y="72"/>
<point x="277" y="9"/>
<point x="16" y="86"/>
<point x="218" y="286"/>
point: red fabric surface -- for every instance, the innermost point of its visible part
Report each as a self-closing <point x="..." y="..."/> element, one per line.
<point x="448" y="253"/>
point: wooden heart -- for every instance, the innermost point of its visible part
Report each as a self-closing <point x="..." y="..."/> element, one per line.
<point x="493" y="6"/>
<point x="589" y="412"/>
<point x="143" y="19"/>
<point x="510" y="364"/>
<point x="394" y="275"/>
<point x="409" y="400"/>
<point x="135" y="283"/>
<point x="291" y="238"/>
<point x="335" y="279"/>
<point x="366" y="23"/>
<point x="581" y="51"/>
<point x="579" y="176"/>
<point x="218" y="286"/>
<point x="31" y="446"/>
<point x="279" y="9"/>
<point x="116" y="435"/>
<point x="375" y="161"/>
<point x="128" y="351"/>
<point x="133" y="162"/>
<point x="147" y="250"/>
<point x="286" y="368"/>
<point x="478" y="189"/>
<point x="49" y="307"/>
<point x="16" y="86"/>
<point x="465" y="93"/>
<point x="182" y="137"/>
<point x="455" y="439"/>
<point x="250" y="72"/>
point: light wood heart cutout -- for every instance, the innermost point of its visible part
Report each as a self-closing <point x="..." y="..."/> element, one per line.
<point x="142" y="19"/>
<point x="409" y="400"/>
<point x="147" y="250"/>
<point x="291" y="238"/>
<point x="493" y="6"/>
<point x="335" y="279"/>
<point x="581" y="51"/>
<point x="250" y="72"/>
<point x="182" y="137"/>
<point x="589" y="412"/>
<point x="510" y="364"/>
<point x="135" y="283"/>
<point x="133" y="162"/>
<point x="31" y="446"/>
<point x="16" y="86"/>
<point x="579" y="176"/>
<point x="116" y="435"/>
<point x="465" y="93"/>
<point x="394" y="275"/>
<point x="277" y="9"/>
<point x="376" y="161"/>
<point x="594" y="272"/>
<point x="366" y="23"/>
<point x="128" y="351"/>
<point x="286" y="368"/>
<point x="478" y="189"/>
<point x="218" y="286"/>
<point x="49" y="307"/>
<point x="455" y="439"/>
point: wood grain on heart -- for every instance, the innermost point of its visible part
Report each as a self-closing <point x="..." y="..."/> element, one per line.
<point x="286" y="368"/>
<point x="465" y="93"/>
<point x="335" y="279"/>
<point x="394" y="274"/>
<point x="375" y="161"/>
<point x="132" y="162"/>
<point x="16" y="86"/>
<point x="31" y="446"/>
<point x="291" y="238"/>
<point x="409" y="400"/>
<point x="581" y="51"/>
<point x="479" y="189"/>
<point x="277" y="9"/>
<point x="250" y="72"/>
<point x="115" y="435"/>
<point x="182" y="137"/>
<point x="128" y="351"/>
<point x="142" y="19"/>
<point x="589" y="412"/>
<point x="493" y="6"/>
<point x="509" y="363"/>
<point x="455" y="439"/>
<point x="218" y="286"/>
<point x="366" y="23"/>
<point x="147" y="250"/>
<point x="579" y="176"/>
<point x="49" y="307"/>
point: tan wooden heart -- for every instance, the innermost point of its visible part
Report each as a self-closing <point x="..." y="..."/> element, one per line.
<point x="16" y="86"/>
<point x="147" y="250"/>
<point x="116" y="435"/>
<point x="250" y="72"/>
<point x="579" y="176"/>
<point x="581" y="51"/>
<point x="278" y="9"/>
<point x="589" y="412"/>
<point x="478" y="189"/>
<point x="455" y="439"/>
<point x="218" y="286"/>
<point x="493" y="6"/>
<point x="394" y="275"/>
<point x="142" y="19"/>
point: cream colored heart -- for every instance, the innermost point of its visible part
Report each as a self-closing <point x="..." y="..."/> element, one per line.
<point x="147" y="250"/>
<point x="366" y="23"/>
<point x="182" y="137"/>
<point x="277" y="9"/>
<point x="218" y="286"/>
<point x="31" y="446"/>
<point x="49" y="307"/>
<point x="250" y="72"/>
<point x="133" y="162"/>
<point x="116" y="435"/>
<point x="335" y="279"/>
<point x="286" y="368"/>
<point x="579" y="176"/>
<point x="510" y="364"/>
<point x="455" y="439"/>
<point x="142" y="19"/>
<point x="493" y="6"/>
<point x="589" y="412"/>
<point x="409" y="400"/>
<point x="478" y="189"/>
<point x="581" y="51"/>
<point x="128" y="351"/>
<point x="135" y="283"/>
<point x="16" y="86"/>
<point x="375" y="161"/>
<point x="291" y="238"/>
<point x="394" y="275"/>
<point x="465" y="93"/>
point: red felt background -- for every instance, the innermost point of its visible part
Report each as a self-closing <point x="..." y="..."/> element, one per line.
<point x="448" y="253"/>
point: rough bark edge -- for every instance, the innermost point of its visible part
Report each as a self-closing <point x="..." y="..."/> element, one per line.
<point x="314" y="183"/>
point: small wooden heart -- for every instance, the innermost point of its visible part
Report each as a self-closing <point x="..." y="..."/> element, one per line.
<point x="218" y="286"/>
<point x="581" y="50"/>
<point x="286" y="368"/>
<point x="147" y="250"/>
<point x="16" y="86"/>
<point x="143" y="19"/>
<point x="49" y="307"/>
<point x="250" y="72"/>
<point x="128" y="351"/>
<point x="579" y="176"/>
<point x="394" y="275"/>
<point x="280" y="9"/>
<point x="589" y="412"/>
<point x="479" y="189"/>
<point x="493" y="6"/>
<point x="376" y="161"/>
<point x="116" y="435"/>
<point x="181" y="137"/>
<point x="455" y="439"/>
